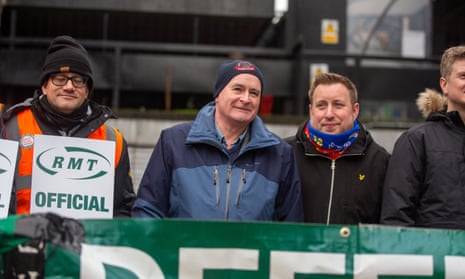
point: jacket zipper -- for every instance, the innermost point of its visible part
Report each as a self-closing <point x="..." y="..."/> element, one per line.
<point x="330" y="203"/>
<point x="228" y="193"/>
<point x="333" y="172"/>
<point x="228" y="188"/>
<point x="216" y="183"/>
<point x="241" y="185"/>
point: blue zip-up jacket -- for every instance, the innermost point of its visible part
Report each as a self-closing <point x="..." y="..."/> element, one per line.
<point x="190" y="176"/>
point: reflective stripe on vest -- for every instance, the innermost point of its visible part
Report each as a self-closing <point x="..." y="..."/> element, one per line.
<point x="22" y="128"/>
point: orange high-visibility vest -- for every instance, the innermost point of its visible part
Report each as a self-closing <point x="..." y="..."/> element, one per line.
<point x="1" y="106"/>
<point x="23" y="131"/>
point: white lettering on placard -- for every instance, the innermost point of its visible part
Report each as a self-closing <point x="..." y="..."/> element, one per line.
<point x="193" y="261"/>
<point x="454" y="267"/>
<point x="370" y="266"/>
<point x="285" y="264"/>
<point x="93" y="257"/>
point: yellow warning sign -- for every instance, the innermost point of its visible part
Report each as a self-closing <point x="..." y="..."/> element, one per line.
<point x="330" y="31"/>
<point x="330" y="28"/>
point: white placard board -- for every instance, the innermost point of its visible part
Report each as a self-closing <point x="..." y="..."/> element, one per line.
<point x="73" y="177"/>
<point x="8" y="156"/>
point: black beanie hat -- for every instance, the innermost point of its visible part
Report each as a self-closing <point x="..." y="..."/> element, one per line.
<point x="65" y="54"/>
<point x="230" y="69"/>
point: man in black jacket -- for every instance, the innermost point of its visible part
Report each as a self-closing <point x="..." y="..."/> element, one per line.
<point x="341" y="167"/>
<point x="425" y="181"/>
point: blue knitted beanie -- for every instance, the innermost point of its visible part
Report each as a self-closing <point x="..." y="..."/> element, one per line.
<point x="230" y="69"/>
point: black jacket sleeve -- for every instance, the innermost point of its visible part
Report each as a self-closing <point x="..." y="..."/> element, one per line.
<point x="124" y="189"/>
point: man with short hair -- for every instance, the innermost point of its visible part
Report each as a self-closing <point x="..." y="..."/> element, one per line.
<point x="425" y="180"/>
<point x="341" y="167"/>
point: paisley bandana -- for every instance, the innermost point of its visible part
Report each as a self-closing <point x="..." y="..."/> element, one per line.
<point x="333" y="145"/>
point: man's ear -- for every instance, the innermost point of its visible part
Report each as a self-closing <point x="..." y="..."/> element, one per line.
<point x="44" y="87"/>
<point x="356" y="109"/>
<point x="443" y="84"/>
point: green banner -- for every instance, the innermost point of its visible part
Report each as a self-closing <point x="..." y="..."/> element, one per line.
<point x="146" y="248"/>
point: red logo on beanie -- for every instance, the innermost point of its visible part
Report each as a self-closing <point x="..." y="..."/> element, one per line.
<point x="244" y="66"/>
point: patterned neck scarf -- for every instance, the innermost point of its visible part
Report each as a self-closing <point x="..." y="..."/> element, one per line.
<point x="333" y="145"/>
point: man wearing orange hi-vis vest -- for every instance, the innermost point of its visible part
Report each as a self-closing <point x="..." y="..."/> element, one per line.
<point x="63" y="107"/>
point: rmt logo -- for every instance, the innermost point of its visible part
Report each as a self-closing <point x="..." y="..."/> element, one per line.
<point x="74" y="163"/>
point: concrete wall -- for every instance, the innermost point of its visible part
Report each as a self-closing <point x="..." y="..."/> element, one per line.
<point x="142" y="135"/>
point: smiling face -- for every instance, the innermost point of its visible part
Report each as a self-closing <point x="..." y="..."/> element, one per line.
<point x="238" y="103"/>
<point x="331" y="110"/>
<point x="65" y="98"/>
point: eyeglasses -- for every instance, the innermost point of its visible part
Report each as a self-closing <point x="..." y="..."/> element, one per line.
<point x="245" y="66"/>
<point x="61" y="80"/>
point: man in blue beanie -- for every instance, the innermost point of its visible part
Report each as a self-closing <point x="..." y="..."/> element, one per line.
<point x="225" y="165"/>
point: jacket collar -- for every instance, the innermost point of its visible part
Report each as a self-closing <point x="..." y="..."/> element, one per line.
<point x="451" y="119"/>
<point x="203" y="130"/>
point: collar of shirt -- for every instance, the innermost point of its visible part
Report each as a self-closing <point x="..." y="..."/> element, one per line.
<point x="222" y="140"/>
